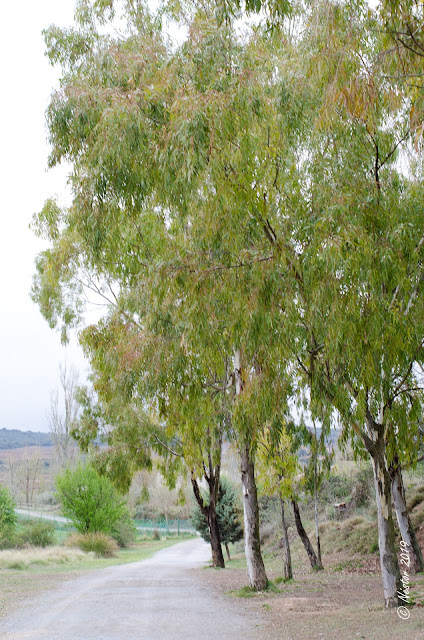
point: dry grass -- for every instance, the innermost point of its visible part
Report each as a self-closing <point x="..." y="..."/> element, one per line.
<point x="357" y="534"/>
<point x="26" y="558"/>
<point x="99" y="543"/>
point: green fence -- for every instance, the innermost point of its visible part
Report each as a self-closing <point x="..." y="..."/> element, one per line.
<point x="62" y="529"/>
<point x="146" y="528"/>
<point x="165" y="527"/>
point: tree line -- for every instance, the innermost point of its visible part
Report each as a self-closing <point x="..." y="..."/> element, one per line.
<point x="247" y="202"/>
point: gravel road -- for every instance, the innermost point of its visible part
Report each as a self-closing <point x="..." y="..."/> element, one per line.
<point x="157" y="599"/>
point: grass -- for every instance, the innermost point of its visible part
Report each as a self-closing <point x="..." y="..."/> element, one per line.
<point x="250" y="592"/>
<point x="26" y="558"/>
<point x="102" y="545"/>
<point x="53" y="558"/>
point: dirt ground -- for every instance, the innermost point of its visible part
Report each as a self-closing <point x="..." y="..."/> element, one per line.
<point x="343" y="602"/>
<point x="18" y="588"/>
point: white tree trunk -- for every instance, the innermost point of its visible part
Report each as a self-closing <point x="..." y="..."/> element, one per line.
<point x="252" y="544"/>
<point x="386" y="534"/>
<point x="404" y="521"/>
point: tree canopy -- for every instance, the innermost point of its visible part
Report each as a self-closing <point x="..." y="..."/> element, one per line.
<point x="248" y="203"/>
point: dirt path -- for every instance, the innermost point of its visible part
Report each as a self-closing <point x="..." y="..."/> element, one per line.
<point x="156" y="599"/>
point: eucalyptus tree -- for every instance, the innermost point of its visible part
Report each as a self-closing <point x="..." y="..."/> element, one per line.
<point x="366" y="247"/>
<point x="250" y="185"/>
<point x="351" y="243"/>
<point x="277" y="468"/>
<point x="143" y="127"/>
<point x="156" y="395"/>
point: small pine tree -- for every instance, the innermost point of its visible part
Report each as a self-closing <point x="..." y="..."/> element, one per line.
<point x="228" y="516"/>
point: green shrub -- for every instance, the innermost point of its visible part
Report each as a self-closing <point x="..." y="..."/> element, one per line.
<point x="90" y="500"/>
<point x="335" y="488"/>
<point x="8" y="537"/>
<point x="8" y="519"/>
<point x="36" y="534"/>
<point x="7" y="510"/>
<point x="156" y="534"/>
<point x="364" y="487"/>
<point x="97" y="542"/>
<point x="124" y="532"/>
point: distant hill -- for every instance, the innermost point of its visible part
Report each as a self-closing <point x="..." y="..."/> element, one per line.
<point x="14" y="439"/>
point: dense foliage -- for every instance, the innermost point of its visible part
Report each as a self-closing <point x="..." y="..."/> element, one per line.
<point x="90" y="500"/>
<point x="8" y="517"/>
<point x="249" y="204"/>
<point x="228" y="513"/>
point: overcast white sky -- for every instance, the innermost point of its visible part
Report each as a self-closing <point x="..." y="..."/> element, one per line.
<point x="30" y="351"/>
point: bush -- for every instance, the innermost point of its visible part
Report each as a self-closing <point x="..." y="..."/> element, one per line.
<point x="8" y="519"/>
<point x="156" y="534"/>
<point x="364" y="488"/>
<point x="7" y="510"/>
<point x="124" y="532"/>
<point x="8" y="537"/>
<point x="36" y="534"/>
<point x="335" y="488"/>
<point x="90" y="500"/>
<point x="97" y="542"/>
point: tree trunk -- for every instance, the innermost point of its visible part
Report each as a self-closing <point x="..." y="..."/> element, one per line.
<point x="228" y="551"/>
<point x="316" y="497"/>
<point x="386" y="531"/>
<point x="404" y="521"/>
<point x="27" y="486"/>
<point x="287" y="563"/>
<point x="252" y="545"/>
<point x="315" y="564"/>
<point x="209" y="511"/>
<point x="217" y="557"/>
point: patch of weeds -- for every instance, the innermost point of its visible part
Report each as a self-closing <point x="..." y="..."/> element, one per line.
<point x="250" y="592"/>
<point x="416" y="497"/>
<point x="348" y="565"/>
<point x="415" y="598"/>
<point x="267" y="607"/>
<point x="282" y="580"/>
<point x="17" y="565"/>
<point x="244" y="592"/>
<point x="272" y="587"/>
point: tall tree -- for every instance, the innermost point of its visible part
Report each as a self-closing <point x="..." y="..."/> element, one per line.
<point x="250" y="185"/>
<point x="63" y="414"/>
